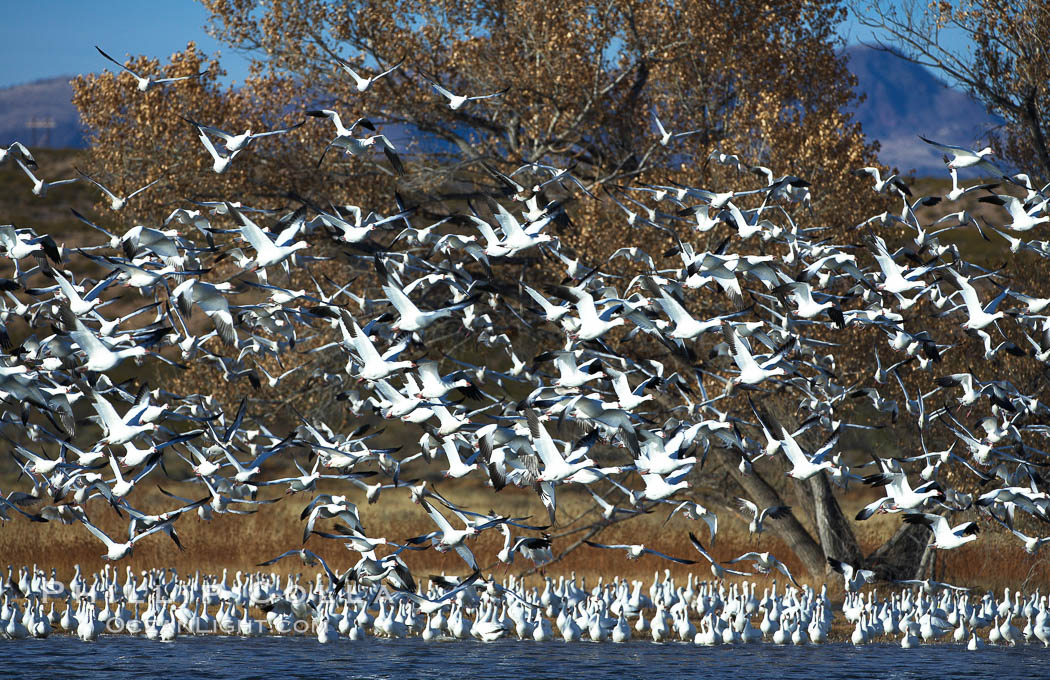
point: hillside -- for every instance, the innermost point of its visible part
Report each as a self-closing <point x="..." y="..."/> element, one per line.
<point x="904" y="100"/>
<point x="43" y="100"/>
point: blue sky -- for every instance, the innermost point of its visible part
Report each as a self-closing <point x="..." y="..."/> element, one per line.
<point x="56" y="37"/>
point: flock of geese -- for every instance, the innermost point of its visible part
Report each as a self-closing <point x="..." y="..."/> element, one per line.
<point x="159" y="605"/>
<point x="589" y="396"/>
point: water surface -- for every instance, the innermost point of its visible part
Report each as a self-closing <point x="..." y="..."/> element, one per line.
<point x="284" y="658"/>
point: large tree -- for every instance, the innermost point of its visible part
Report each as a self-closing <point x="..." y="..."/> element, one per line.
<point x="583" y="83"/>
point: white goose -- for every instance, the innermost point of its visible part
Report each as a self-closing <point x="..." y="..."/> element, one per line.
<point x="220" y="163"/>
<point x="356" y="146"/>
<point x="455" y="101"/>
<point x="362" y="84"/>
<point x="945" y="537"/>
<point x="374" y="366"/>
<point x="751" y="372"/>
<point x="145" y="83"/>
<point x="267" y="252"/>
<point x="1025" y="216"/>
<point x="236" y="143"/>
<point x="117" y="430"/>
<point x="40" y="186"/>
<point x="963" y="157"/>
<point x="115" y="202"/>
<point x="555" y="468"/>
<point x="117" y="551"/>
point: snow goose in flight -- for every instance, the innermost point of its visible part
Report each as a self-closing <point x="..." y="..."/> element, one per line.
<point x="410" y="318"/>
<point x="116" y="551"/>
<point x="518" y="237"/>
<point x="682" y="325"/>
<point x="571" y="376"/>
<point x="1024" y="215"/>
<point x="802" y="466"/>
<point x="362" y="84"/>
<point x="455" y="101"/>
<point x="980" y="316"/>
<point x="655" y="454"/>
<point x="39" y="465"/>
<point x="884" y="185"/>
<point x="356" y="146"/>
<point x="6" y="503"/>
<point x="956" y="192"/>
<point x="327" y="506"/>
<point x="212" y="299"/>
<point x="147" y="82"/>
<point x="220" y="163"/>
<point x="973" y="389"/>
<point x="436" y="386"/>
<point x="456" y="467"/>
<point x="555" y="467"/>
<point x="626" y="398"/>
<point x="610" y="511"/>
<point x="667" y="137"/>
<point x="924" y="239"/>
<point x="657" y="488"/>
<point x="806" y="307"/>
<point x="551" y="313"/>
<point x="1031" y="544"/>
<point x="558" y="175"/>
<point x="101" y="356"/>
<point x="751" y="372"/>
<point x="717" y="569"/>
<point x="963" y="157"/>
<point x="758" y="517"/>
<point x="945" y="537"/>
<point x="40" y="186"/>
<point x="117" y="430"/>
<point x="1032" y="193"/>
<point x="895" y="279"/>
<point x="637" y="550"/>
<point x="692" y="510"/>
<point x="591" y="326"/>
<point x="17" y="150"/>
<point x="899" y="494"/>
<point x="764" y="563"/>
<point x="120" y="487"/>
<point x="115" y="202"/>
<point x="374" y="365"/>
<point x="238" y="142"/>
<point x="267" y="252"/>
<point x="447" y="538"/>
<point x="81" y="305"/>
<point x="20" y="243"/>
<point x="855" y="577"/>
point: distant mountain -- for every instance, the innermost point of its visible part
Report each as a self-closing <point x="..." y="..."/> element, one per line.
<point x="42" y="102"/>
<point x="905" y="100"/>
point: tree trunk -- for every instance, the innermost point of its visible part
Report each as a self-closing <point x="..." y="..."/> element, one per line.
<point x="794" y="534"/>
<point x="1031" y="114"/>
<point x="833" y="529"/>
<point x="901" y="556"/>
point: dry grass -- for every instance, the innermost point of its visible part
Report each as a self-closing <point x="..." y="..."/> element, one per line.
<point x="240" y="542"/>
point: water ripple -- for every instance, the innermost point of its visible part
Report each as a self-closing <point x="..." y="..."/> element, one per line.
<point x="257" y="658"/>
